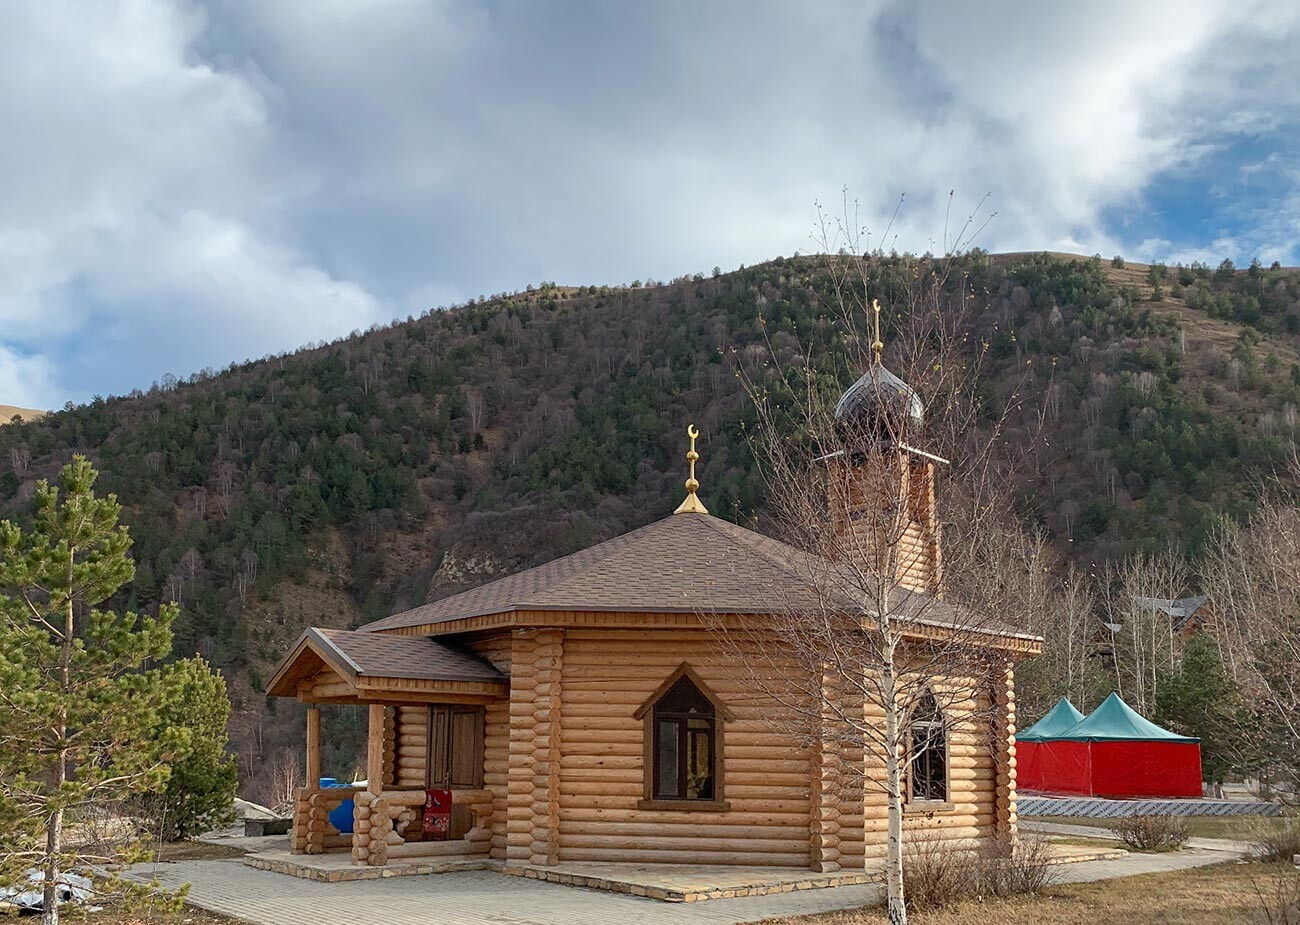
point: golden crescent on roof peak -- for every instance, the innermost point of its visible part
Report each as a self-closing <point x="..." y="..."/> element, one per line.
<point x="692" y="504"/>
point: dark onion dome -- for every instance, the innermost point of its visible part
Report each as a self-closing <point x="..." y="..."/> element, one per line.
<point x="880" y="403"/>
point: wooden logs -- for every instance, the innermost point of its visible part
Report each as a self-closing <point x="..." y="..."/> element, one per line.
<point x="1004" y="727"/>
<point x="389" y="759"/>
<point x="375" y="748"/>
<point x="533" y="801"/>
<point x="826" y="789"/>
<point x="301" y="810"/>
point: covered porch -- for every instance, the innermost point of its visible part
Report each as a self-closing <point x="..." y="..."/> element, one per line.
<point x="425" y="704"/>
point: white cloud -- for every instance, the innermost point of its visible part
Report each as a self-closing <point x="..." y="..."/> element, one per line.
<point x="26" y="381"/>
<point x="190" y="186"/>
<point x="143" y="226"/>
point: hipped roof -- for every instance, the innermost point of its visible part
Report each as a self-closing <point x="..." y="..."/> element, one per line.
<point x="1056" y="721"/>
<point x="684" y="563"/>
<point x="1116" y="721"/>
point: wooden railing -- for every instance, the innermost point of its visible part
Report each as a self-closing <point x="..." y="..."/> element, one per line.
<point x="382" y="819"/>
<point x="312" y="831"/>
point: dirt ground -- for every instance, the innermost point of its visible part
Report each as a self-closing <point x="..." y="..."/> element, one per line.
<point x="186" y="916"/>
<point x="1222" y="894"/>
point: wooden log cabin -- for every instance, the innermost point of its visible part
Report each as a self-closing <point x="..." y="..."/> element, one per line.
<point x="581" y="710"/>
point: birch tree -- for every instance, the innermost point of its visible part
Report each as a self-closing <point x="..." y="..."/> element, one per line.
<point x="872" y="669"/>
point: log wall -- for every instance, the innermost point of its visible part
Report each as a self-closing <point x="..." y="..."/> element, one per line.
<point x="607" y="675"/>
<point x="971" y="813"/>
<point x="496" y="744"/>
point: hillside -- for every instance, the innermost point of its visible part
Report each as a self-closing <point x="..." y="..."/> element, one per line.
<point x="9" y="412"/>
<point x="343" y="482"/>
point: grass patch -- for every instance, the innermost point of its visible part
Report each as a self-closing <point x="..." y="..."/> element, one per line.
<point x="1220" y="894"/>
<point x="110" y="915"/>
<point x="1081" y="841"/>
<point x="1233" y="828"/>
<point x="196" y="851"/>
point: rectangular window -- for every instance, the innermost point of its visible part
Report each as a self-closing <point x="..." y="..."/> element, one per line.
<point x="929" y="772"/>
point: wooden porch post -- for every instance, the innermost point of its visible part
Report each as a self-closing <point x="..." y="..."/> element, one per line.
<point x="375" y="750"/>
<point x="313" y="747"/>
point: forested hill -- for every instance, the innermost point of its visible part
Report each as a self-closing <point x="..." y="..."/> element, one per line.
<point x="343" y="482"/>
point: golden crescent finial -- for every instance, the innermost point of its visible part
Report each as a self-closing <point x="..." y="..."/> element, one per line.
<point x="692" y="504"/>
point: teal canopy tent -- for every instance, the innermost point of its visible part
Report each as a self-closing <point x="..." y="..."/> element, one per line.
<point x="1116" y="721"/>
<point x="1058" y="719"/>
<point x="1113" y="752"/>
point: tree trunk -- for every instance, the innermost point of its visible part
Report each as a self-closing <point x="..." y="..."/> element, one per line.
<point x="54" y="831"/>
<point x="894" y="898"/>
<point x="53" y="845"/>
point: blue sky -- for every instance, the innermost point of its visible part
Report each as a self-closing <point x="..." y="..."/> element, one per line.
<point x="187" y="184"/>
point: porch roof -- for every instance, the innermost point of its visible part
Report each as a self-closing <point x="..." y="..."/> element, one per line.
<point x="371" y="663"/>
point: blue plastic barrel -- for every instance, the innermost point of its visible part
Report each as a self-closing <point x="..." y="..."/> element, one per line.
<point x="341" y="816"/>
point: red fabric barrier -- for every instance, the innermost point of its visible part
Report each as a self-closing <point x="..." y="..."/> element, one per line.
<point x="1029" y="770"/>
<point x="1146" y="769"/>
<point x="1110" y="769"/>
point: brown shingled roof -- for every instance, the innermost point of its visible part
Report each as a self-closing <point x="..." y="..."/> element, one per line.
<point x="685" y="563"/>
<point x="419" y="657"/>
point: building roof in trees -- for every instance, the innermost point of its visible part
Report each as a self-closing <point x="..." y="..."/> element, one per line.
<point x="684" y="563"/>
<point x="1179" y="609"/>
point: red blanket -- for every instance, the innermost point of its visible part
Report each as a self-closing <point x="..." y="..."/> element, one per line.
<point x="437" y="813"/>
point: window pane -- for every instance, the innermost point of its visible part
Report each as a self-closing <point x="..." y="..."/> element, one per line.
<point x="666" y="761"/>
<point x="929" y="765"/>
<point x="684" y="697"/>
<point x="699" y="765"/>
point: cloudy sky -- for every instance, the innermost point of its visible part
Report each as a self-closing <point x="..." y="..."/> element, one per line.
<point x="184" y="184"/>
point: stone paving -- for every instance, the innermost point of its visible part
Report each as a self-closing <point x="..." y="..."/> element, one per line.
<point x="472" y="898"/>
<point x="486" y="898"/>
<point x="1142" y="864"/>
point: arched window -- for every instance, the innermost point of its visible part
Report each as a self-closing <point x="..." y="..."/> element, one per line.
<point x="928" y="747"/>
<point x="683" y="744"/>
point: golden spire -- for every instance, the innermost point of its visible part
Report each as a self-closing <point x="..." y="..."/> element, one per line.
<point x="878" y="345"/>
<point x="692" y="504"/>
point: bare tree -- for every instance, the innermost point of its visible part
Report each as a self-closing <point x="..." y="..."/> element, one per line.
<point x="877" y="664"/>
<point x="1143" y="631"/>
<point x="286" y="778"/>
<point x="1252" y="573"/>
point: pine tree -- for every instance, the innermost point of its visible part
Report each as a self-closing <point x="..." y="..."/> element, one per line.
<point x="80" y="726"/>
<point x="200" y="791"/>
<point x="1201" y="699"/>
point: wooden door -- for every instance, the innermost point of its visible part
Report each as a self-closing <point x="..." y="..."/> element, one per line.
<point x="455" y="756"/>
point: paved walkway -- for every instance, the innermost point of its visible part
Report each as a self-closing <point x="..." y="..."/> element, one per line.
<point x="471" y="898"/>
<point x="486" y="898"/>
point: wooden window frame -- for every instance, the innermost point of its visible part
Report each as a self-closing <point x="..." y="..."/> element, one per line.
<point x="721" y="716"/>
<point x="910" y="803"/>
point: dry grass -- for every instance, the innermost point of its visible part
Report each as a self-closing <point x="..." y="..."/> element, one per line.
<point x="1221" y="894"/>
<point x="1151" y="833"/>
<point x="7" y="413"/>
